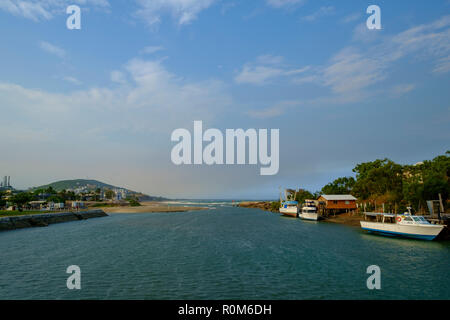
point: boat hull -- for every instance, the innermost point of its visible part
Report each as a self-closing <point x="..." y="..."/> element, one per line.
<point x="422" y="232"/>
<point x="309" y="216"/>
<point x="289" y="212"/>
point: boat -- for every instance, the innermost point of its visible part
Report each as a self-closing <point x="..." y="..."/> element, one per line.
<point x="309" y="211"/>
<point x="401" y="225"/>
<point x="289" y="207"/>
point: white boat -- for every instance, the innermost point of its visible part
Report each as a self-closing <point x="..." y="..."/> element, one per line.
<point x="401" y="225"/>
<point x="309" y="211"/>
<point x="289" y="207"/>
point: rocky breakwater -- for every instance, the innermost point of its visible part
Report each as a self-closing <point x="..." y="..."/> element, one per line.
<point x="263" y="205"/>
<point x="43" y="220"/>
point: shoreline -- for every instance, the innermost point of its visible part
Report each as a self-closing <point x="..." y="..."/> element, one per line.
<point x="347" y="219"/>
<point x="45" y="219"/>
<point x="150" y="207"/>
<point x="343" y="218"/>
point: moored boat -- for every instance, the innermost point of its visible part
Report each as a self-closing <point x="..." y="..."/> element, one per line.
<point x="309" y="211"/>
<point x="289" y="207"/>
<point x="401" y="225"/>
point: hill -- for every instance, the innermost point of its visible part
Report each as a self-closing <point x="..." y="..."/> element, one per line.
<point x="90" y="185"/>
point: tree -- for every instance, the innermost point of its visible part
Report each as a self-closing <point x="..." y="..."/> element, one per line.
<point x="109" y="194"/>
<point x="50" y="190"/>
<point x="378" y="178"/>
<point x="302" y="195"/>
<point x="56" y="199"/>
<point x="21" y="198"/>
<point x="2" y="201"/>
<point x="340" y="186"/>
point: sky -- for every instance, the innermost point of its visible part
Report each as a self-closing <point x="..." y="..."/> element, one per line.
<point x="101" y="102"/>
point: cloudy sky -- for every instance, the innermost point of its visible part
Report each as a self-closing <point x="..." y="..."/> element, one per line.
<point x="102" y="102"/>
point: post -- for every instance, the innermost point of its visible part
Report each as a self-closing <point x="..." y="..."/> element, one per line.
<point x="442" y="206"/>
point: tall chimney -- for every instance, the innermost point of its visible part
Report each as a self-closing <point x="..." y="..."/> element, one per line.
<point x="9" y="181"/>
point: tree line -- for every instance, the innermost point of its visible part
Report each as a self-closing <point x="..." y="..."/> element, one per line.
<point x="396" y="185"/>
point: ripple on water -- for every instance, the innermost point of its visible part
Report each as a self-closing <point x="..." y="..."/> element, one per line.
<point x="232" y="253"/>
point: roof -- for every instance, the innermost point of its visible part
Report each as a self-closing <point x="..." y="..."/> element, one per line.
<point x="289" y="202"/>
<point x="332" y="197"/>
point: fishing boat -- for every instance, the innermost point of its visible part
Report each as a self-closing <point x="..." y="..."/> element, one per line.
<point x="402" y="225"/>
<point x="309" y="211"/>
<point x="289" y="207"/>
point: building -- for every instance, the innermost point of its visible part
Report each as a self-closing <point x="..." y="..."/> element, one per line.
<point x="5" y="184"/>
<point x="338" y="203"/>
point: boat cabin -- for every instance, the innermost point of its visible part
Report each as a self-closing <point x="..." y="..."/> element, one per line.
<point x="403" y="219"/>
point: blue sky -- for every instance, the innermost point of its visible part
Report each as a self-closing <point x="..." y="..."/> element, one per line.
<point x="101" y="102"/>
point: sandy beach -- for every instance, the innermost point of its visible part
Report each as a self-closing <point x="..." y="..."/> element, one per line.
<point x="147" y="207"/>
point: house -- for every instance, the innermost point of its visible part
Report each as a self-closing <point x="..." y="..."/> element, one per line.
<point x="338" y="203"/>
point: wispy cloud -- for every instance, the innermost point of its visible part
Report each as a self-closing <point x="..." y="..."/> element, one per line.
<point x="273" y="111"/>
<point x="73" y="80"/>
<point x="153" y="100"/>
<point x="27" y="9"/>
<point x="401" y="89"/>
<point x="266" y="68"/>
<point x="118" y="77"/>
<point x="352" y="17"/>
<point x="183" y="11"/>
<point x="284" y="3"/>
<point x="351" y="72"/>
<point x="322" y="12"/>
<point x="151" y="49"/>
<point x="52" y="49"/>
<point x="38" y="10"/>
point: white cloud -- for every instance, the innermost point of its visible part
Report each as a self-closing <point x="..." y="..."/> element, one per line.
<point x="155" y="101"/>
<point x="52" y="49"/>
<point x="266" y="68"/>
<point x="118" y="77"/>
<point x="273" y="111"/>
<point x="284" y="3"/>
<point x="151" y="49"/>
<point x="351" y="18"/>
<point x="257" y="74"/>
<point x="401" y="89"/>
<point x="73" y="80"/>
<point x="352" y="72"/>
<point x="38" y="10"/>
<point x="442" y="65"/>
<point x="322" y="12"/>
<point x="184" y="11"/>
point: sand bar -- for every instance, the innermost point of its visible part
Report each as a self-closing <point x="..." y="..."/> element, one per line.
<point x="147" y="207"/>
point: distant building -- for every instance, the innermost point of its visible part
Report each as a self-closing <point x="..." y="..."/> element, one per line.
<point x="5" y="184"/>
<point x="338" y="203"/>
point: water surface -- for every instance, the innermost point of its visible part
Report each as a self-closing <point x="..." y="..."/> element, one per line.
<point x="224" y="253"/>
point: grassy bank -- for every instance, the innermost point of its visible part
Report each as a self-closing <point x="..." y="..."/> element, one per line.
<point x="4" y="213"/>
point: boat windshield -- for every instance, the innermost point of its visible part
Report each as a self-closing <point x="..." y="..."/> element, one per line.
<point x="420" y="220"/>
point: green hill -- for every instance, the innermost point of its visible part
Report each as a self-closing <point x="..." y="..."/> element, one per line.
<point x="92" y="185"/>
<point x="77" y="183"/>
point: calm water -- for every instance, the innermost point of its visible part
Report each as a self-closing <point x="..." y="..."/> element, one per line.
<point x="226" y="253"/>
